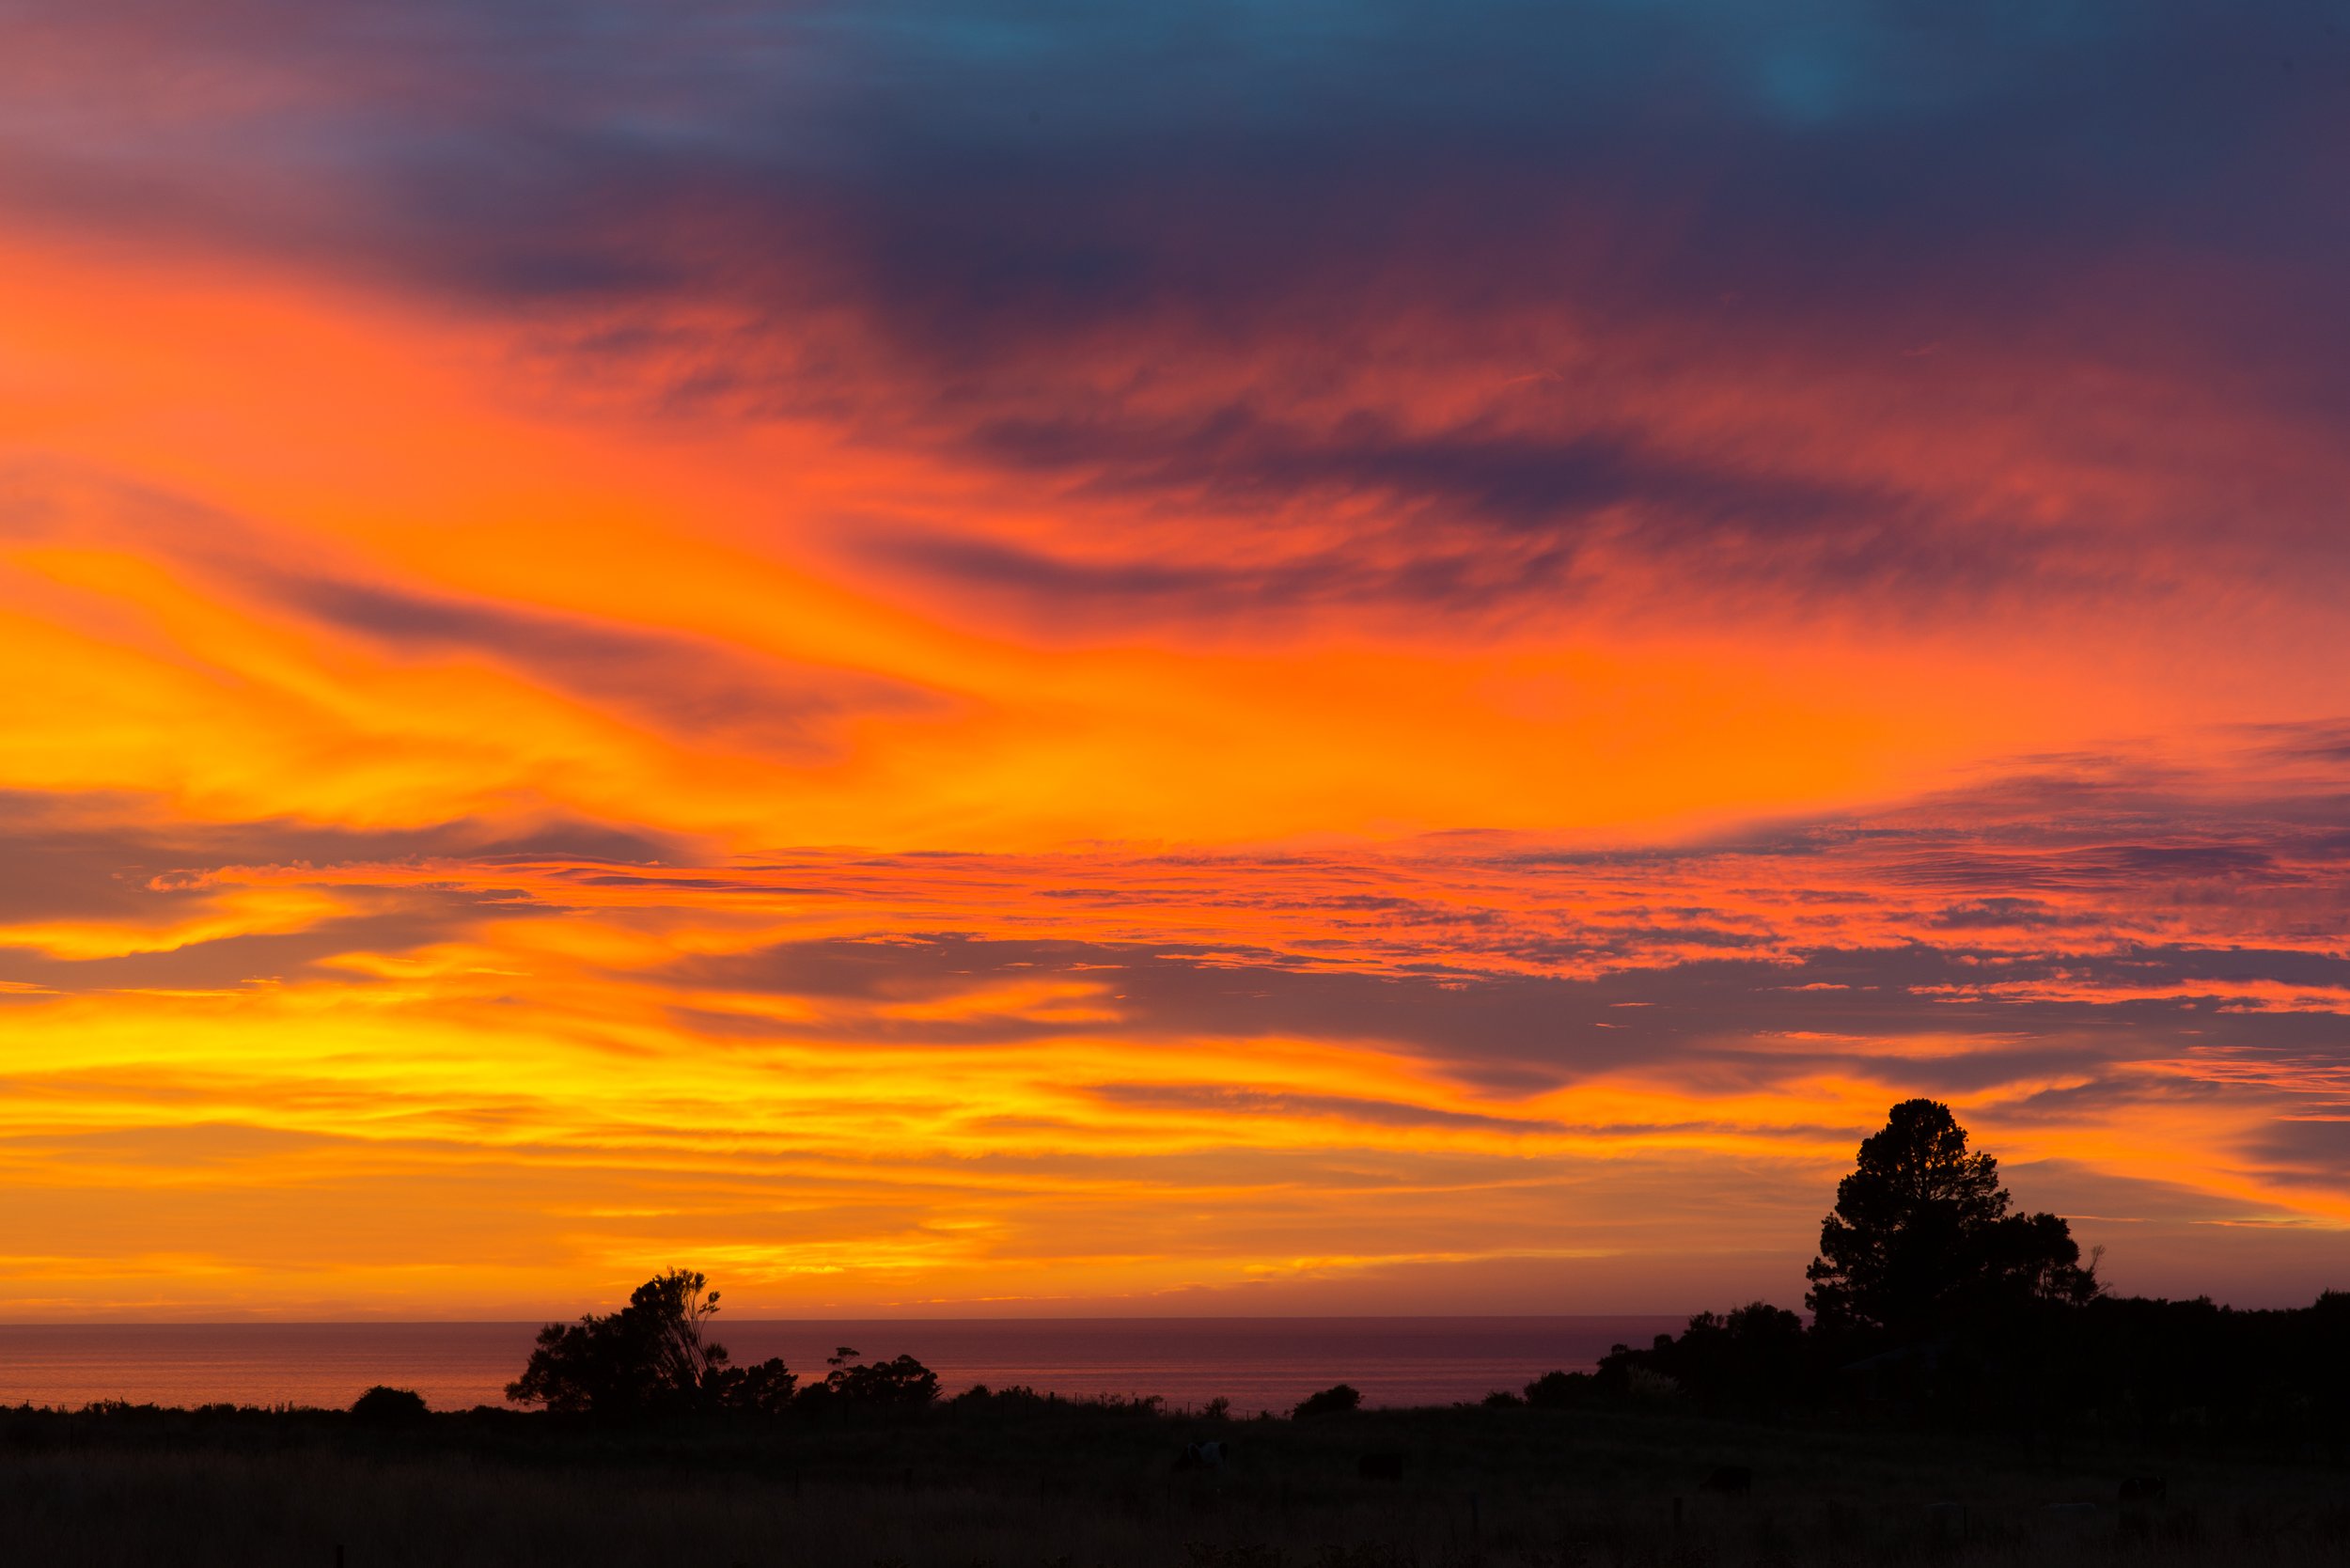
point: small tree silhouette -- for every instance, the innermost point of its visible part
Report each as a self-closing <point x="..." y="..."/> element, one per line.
<point x="1558" y="1390"/>
<point x="902" y="1382"/>
<point x="1335" y="1400"/>
<point x="386" y="1406"/>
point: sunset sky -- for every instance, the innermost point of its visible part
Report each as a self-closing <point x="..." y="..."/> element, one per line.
<point x="1056" y="657"/>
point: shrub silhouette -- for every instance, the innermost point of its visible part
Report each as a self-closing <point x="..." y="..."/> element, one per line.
<point x="1752" y="1360"/>
<point x="904" y="1384"/>
<point x="902" y="1380"/>
<point x="653" y="1357"/>
<point x="764" y="1387"/>
<point x="1015" y="1397"/>
<point x="385" y="1406"/>
<point x="1335" y="1400"/>
<point x="1558" y="1390"/>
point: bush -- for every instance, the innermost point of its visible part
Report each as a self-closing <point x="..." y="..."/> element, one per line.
<point x="1016" y="1396"/>
<point x="1330" y="1401"/>
<point x="1558" y="1390"/>
<point x="765" y="1388"/>
<point x="900" y="1382"/>
<point x="1642" y="1385"/>
<point x="386" y="1406"/>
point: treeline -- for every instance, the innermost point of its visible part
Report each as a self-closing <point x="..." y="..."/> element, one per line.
<point x="655" y="1358"/>
<point x="1932" y="1301"/>
<point x="2120" y="1366"/>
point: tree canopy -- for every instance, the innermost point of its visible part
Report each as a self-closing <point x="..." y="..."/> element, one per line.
<point x="386" y="1406"/>
<point x="1335" y="1400"/>
<point x="902" y="1381"/>
<point x="653" y="1357"/>
<point x="1921" y="1234"/>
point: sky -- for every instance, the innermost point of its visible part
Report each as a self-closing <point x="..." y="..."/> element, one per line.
<point x="1298" y="657"/>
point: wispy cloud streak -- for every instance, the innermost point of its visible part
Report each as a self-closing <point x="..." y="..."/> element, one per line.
<point x="1404" y="646"/>
<point x="936" y="1046"/>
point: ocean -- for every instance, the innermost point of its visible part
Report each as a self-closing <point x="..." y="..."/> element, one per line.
<point x="1257" y="1363"/>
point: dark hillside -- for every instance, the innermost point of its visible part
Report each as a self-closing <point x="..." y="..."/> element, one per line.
<point x="1011" y="1482"/>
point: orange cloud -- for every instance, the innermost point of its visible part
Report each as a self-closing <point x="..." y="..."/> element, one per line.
<point x="907" y="739"/>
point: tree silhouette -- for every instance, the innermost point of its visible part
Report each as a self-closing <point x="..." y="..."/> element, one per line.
<point x="653" y="1357"/>
<point x="1921" y="1233"/>
<point x="1336" y="1400"/>
<point x="386" y="1406"/>
<point x="902" y="1381"/>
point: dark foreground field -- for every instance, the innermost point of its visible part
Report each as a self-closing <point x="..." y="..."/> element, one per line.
<point x="1081" y="1487"/>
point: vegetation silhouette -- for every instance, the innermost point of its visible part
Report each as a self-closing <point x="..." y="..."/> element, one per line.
<point x="653" y="1357"/>
<point x="904" y="1384"/>
<point x="1922" y="1236"/>
<point x="1934" y="1303"/>
<point x="1556" y="1390"/>
<point x="1335" y="1400"/>
<point x="1985" y="1406"/>
<point x="386" y="1406"/>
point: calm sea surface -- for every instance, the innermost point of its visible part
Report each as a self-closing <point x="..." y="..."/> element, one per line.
<point x="1257" y="1363"/>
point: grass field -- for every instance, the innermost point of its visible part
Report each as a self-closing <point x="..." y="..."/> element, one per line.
<point x="1078" y="1488"/>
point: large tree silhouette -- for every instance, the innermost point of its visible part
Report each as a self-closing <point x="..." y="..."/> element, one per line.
<point x="1922" y="1236"/>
